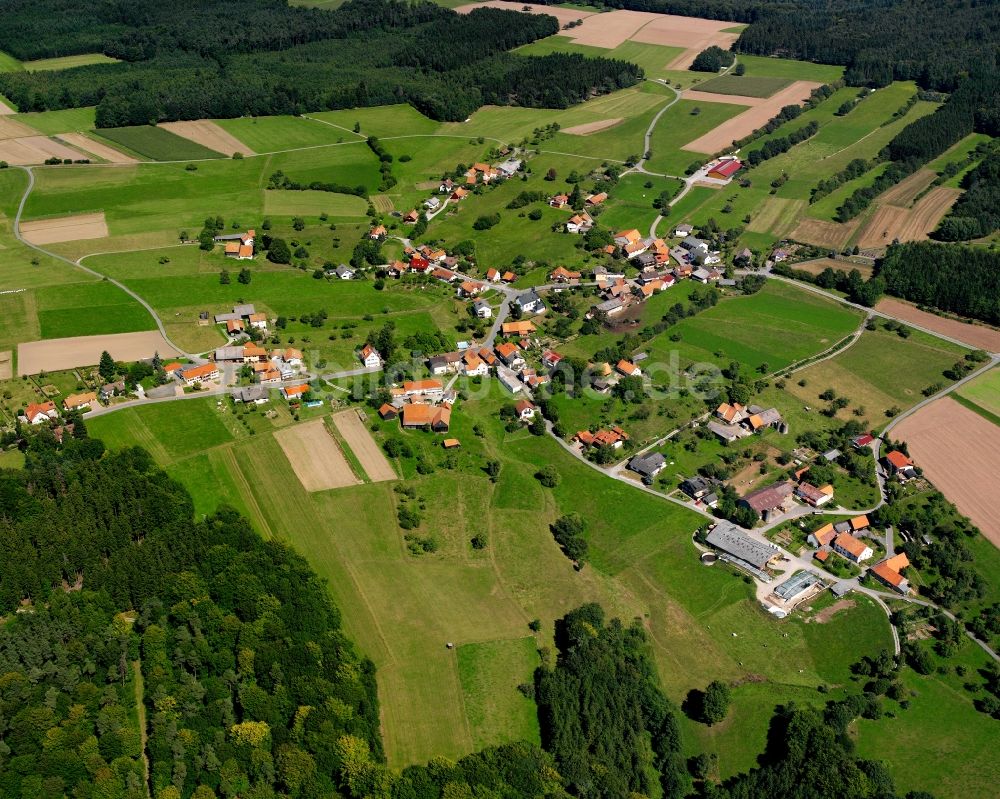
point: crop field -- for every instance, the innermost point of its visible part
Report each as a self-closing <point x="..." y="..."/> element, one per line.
<point x="157" y="144"/>
<point x="745" y="86"/>
<point x="382" y="121"/>
<point x="879" y="372"/>
<point x="68" y="62"/>
<point x="777" y="326"/>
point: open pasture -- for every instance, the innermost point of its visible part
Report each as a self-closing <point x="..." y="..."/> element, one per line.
<point x="315" y="456"/>
<point x="274" y="134"/>
<point x="959" y="452"/>
<point x="207" y="134"/>
<point x="68" y="62"/>
<point x="67" y="353"/>
<point x="65" y="120"/>
<point x="313" y="203"/>
<point x="682" y="121"/>
<point x="65" y="228"/>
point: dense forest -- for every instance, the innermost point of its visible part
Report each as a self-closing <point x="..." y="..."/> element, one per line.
<point x="977" y="212"/>
<point x="289" y="60"/>
<point x="250" y="686"/>
<point x="961" y="280"/>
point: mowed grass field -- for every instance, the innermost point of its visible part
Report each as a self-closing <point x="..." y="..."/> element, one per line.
<point x="402" y="609"/>
<point x="68" y="120"/>
<point x="682" y="123"/>
<point x="745" y="86"/>
<point x="157" y="144"/>
<point x="879" y="372"/>
<point x="274" y="134"/>
<point x="631" y="202"/>
<point x="68" y="62"/>
<point x="776" y="327"/>
<point x="984" y="391"/>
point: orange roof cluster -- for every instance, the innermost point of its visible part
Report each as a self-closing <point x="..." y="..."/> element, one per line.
<point x="420" y="386"/>
<point x="517" y="328"/>
<point x="296" y="391"/>
<point x="48" y="407"/>
<point x="850" y="544"/>
<point x="602" y="438"/>
<point x="888" y="571"/>
<point x="562" y="273"/>
<point x="631" y="236"/>
<point x="198" y="372"/>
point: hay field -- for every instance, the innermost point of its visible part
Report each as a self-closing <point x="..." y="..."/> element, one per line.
<point x="6" y="365"/>
<point x="592" y="127"/>
<point x="833" y="235"/>
<point x="55" y="354"/>
<point x="372" y="460"/>
<point x="959" y="452"/>
<point x="747" y="122"/>
<point x="315" y="457"/>
<point x="109" y="154"/>
<point x="905" y="192"/>
<point x="65" y="228"/>
<point x="35" y="150"/>
<point x="208" y="134"/>
<point x="14" y="129"/>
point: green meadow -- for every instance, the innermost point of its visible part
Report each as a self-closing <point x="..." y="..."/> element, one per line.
<point x="274" y="134"/>
<point x="157" y="144"/>
<point x="68" y="120"/>
<point x="684" y="122"/>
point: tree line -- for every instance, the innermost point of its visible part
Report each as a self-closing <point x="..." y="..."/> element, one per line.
<point x="977" y="211"/>
<point x="368" y="52"/>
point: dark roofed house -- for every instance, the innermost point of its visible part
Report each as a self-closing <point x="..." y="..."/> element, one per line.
<point x="697" y="487"/>
<point x="256" y="394"/>
<point x="530" y="302"/>
<point x="765" y="501"/>
<point x="648" y="465"/>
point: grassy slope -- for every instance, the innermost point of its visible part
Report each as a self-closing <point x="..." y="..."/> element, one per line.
<point x="68" y="120"/>
<point x="679" y="126"/>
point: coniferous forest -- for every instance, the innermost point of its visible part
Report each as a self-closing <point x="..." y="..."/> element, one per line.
<point x="193" y="62"/>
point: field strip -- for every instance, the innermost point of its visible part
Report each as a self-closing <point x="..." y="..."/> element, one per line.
<point x="593" y="127"/>
<point x="6" y="365"/>
<point x="5" y="109"/>
<point x="97" y="148"/>
<point x="65" y="228"/>
<point x="979" y="336"/>
<point x="730" y="99"/>
<point x="36" y="149"/>
<point x="56" y="354"/>
<point x="227" y="459"/>
<point x="208" y="134"/>
<point x="315" y="457"/>
<point x="14" y="129"/>
<point x="375" y="464"/>
<point x="334" y="125"/>
<point x="959" y="452"/>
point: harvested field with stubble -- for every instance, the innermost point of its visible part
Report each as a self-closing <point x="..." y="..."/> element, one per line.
<point x="891" y="222"/>
<point x="820" y="264"/>
<point x="35" y="150"/>
<point x="56" y="354"/>
<point x="315" y="457"/>
<point x="905" y="192"/>
<point x="65" y="228"/>
<point x="207" y="134"/>
<point x="959" y="452"/>
<point x="760" y="111"/>
<point x="833" y="235"/>
<point x="592" y="127"/>
<point x="690" y="32"/>
<point x="109" y="154"/>
<point x="375" y="464"/>
<point x="6" y="365"/>
<point x="978" y="336"/>
<point x="12" y="129"/>
<point x="5" y="109"/>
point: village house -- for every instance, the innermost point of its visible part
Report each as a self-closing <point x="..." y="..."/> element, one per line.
<point x="470" y="289"/>
<point x="559" y="201"/>
<point x="342" y="271"/>
<point x="292" y="393"/>
<point x="761" y="418"/>
<point x="852" y="548"/>
<point x="238" y="313"/>
<point x="596" y="199"/>
<point x="604" y="275"/>
<point x="635" y="248"/>
<point x="509" y="380"/>
<point x="234" y="326"/>
<point x="648" y="465"/>
<point x="900" y="465"/>
<point x="482" y="309"/>
<point x="444" y="363"/>
<point x="109" y="390"/>
<point x="433" y="417"/>
<point x="551" y="359"/>
<point x="41" y="412"/>
<point x="377" y="233"/>
<point x="681" y="231"/>
<point x="257" y="395"/>
<point x="525" y="410"/>
<point x="529" y="302"/>
<point x="770" y="501"/>
<point x="812" y="495"/>
<point x="862" y="442"/>
<point x="428" y="388"/>
<point x="823" y="536"/>
<point x="579" y="223"/>
<point x="199" y="374"/>
<point x="889" y="572"/>
<point x="238" y="245"/>
<point x="411" y="217"/>
<point x="628" y="369"/>
<point x="432" y="204"/>
<point x="731" y="414"/>
<point x="626" y="237"/>
<point x="370" y="357"/>
<point x="473" y="365"/>
<point x="563" y="275"/>
<point x="510" y="354"/>
<point x="614" y="438"/>
<point x="76" y="402"/>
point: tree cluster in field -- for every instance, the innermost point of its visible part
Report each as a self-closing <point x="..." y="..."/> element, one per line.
<point x="289" y="60"/>
<point x="977" y="212"/>
<point x="568" y="532"/>
<point x="279" y="180"/>
<point x="385" y="163"/>
<point x="712" y="59"/>
<point x="250" y="686"/>
<point x="953" y="278"/>
<point x="782" y="144"/>
<point x="855" y="168"/>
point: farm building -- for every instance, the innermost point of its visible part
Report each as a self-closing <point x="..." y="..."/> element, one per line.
<point x="725" y="168"/>
<point x="434" y="417"/>
<point x="648" y="465"/>
<point x="767" y="501"/>
<point x="741" y="550"/>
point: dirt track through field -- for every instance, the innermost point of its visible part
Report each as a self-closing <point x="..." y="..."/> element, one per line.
<point x="315" y="457"/>
<point x="978" y="336"/>
<point x="208" y="134"/>
<point x="959" y="452"/>
<point x="890" y="222"/>
<point x="592" y="127"/>
<point x="65" y="228"/>
<point x="375" y="464"/>
<point x="754" y="117"/>
<point x="109" y="154"/>
<point x="55" y="354"/>
<point x="35" y="150"/>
